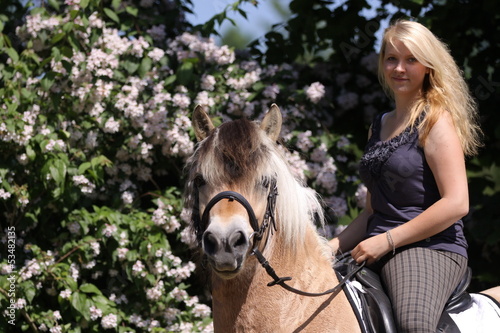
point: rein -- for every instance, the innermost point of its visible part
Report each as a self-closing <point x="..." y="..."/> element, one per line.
<point x="268" y="220"/>
<point x="281" y="280"/>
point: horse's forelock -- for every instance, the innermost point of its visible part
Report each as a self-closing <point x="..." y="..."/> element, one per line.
<point x="234" y="152"/>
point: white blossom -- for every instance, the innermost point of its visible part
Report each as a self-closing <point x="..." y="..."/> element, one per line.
<point x="109" y="230"/>
<point x="208" y="82"/>
<point x="111" y="126"/>
<point x="56" y="329"/>
<point x="109" y="321"/>
<point x="156" y="54"/>
<point x="95" y="313"/>
<point x="315" y="92"/>
<point x="65" y="293"/>
<point x="271" y="91"/>
<point x="138" y="267"/>
<point x="57" y="315"/>
<point x="4" y="194"/>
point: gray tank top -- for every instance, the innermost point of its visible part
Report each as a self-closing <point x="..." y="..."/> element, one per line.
<point x="402" y="186"/>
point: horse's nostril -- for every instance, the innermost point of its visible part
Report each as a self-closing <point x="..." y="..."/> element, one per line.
<point x="210" y="243"/>
<point x="238" y="239"/>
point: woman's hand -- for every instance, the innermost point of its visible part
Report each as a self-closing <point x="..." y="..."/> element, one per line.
<point x="371" y="249"/>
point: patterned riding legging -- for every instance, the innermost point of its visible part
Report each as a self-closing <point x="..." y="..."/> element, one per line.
<point x="419" y="282"/>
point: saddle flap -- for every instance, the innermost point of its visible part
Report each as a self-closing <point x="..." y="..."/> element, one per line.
<point x="368" y="278"/>
<point x="460" y="300"/>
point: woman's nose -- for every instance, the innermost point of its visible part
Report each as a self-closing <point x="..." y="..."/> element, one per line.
<point x="400" y="67"/>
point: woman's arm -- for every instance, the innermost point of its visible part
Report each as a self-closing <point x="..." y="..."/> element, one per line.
<point x="445" y="157"/>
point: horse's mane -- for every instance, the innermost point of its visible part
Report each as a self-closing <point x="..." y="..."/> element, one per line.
<point x="238" y="152"/>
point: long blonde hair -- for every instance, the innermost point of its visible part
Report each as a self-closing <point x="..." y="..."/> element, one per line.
<point x="444" y="88"/>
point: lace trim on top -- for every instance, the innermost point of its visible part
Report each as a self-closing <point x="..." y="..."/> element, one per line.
<point x="377" y="152"/>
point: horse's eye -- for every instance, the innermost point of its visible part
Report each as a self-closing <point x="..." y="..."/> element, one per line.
<point x="265" y="182"/>
<point x="199" y="181"/>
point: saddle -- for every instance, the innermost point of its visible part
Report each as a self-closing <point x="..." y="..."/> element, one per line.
<point x="375" y="315"/>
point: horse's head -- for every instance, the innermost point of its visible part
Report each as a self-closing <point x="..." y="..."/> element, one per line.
<point x="233" y="179"/>
<point x="230" y="179"/>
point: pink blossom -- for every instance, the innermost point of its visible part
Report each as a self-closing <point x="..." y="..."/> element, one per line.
<point x="65" y="294"/>
<point x="95" y="313"/>
<point x="156" y="54"/>
<point x="315" y="92"/>
<point x="111" y="126"/>
<point x="122" y="253"/>
<point x="109" y="321"/>
<point x="109" y="230"/>
<point x="157" y="32"/>
<point x="271" y="91"/>
<point x="207" y="82"/>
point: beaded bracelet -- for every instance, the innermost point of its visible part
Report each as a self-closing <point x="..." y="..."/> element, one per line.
<point x="391" y="242"/>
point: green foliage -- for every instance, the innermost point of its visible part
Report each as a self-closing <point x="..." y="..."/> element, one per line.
<point x="94" y="133"/>
<point x="95" y="129"/>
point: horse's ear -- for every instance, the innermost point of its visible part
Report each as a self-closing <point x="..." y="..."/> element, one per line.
<point x="201" y="123"/>
<point x="271" y="124"/>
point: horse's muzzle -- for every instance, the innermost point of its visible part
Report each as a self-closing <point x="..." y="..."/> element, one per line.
<point x="225" y="249"/>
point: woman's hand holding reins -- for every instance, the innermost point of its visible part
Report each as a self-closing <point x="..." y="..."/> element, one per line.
<point x="371" y="249"/>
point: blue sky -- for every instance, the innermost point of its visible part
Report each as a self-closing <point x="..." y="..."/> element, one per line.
<point x="259" y="20"/>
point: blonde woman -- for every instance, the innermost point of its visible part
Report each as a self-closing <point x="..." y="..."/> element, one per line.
<point x="414" y="168"/>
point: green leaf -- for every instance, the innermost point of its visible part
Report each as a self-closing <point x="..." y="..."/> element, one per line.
<point x="54" y="3"/>
<point x="72" y="284"/>
<point x="155" y="237"/>
<point x="67" y="27"/>
<point x="84" y="3"/>
<point x="132" y="10"/>
<point x="83" y="167"/>
<point x="116" y="4"/>
<point x="12" y="54"/>
<point x="89" y="288"/>
<point x="100" y="161"/>
<point x="29" y="290"/>
<point x="130" y="66"/>
<point x="58" y="171"/>
<point x="79" y="303"/>
<point x="112" y="15"/>
<point x="47" y="81"/>
<point x="101" y="302"/>
<point x="57" y="37"/>
<point x="185" y="73"/>
<point x="169" y="80"/>
<point x="145" y="66"/>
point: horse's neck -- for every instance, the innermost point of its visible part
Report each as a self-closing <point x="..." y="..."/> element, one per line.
<point x="247" y="304"/>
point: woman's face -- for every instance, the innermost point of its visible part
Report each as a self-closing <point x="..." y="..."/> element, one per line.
<point x="402" y="71"/>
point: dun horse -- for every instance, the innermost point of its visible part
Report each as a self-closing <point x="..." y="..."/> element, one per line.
<point x="247" y="206"/>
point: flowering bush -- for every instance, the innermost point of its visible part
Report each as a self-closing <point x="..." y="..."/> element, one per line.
<point x="94" y="131"/>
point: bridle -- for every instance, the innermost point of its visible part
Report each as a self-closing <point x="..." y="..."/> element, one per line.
<point x="256" y="236"/>
<point x="269" y="219"/>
